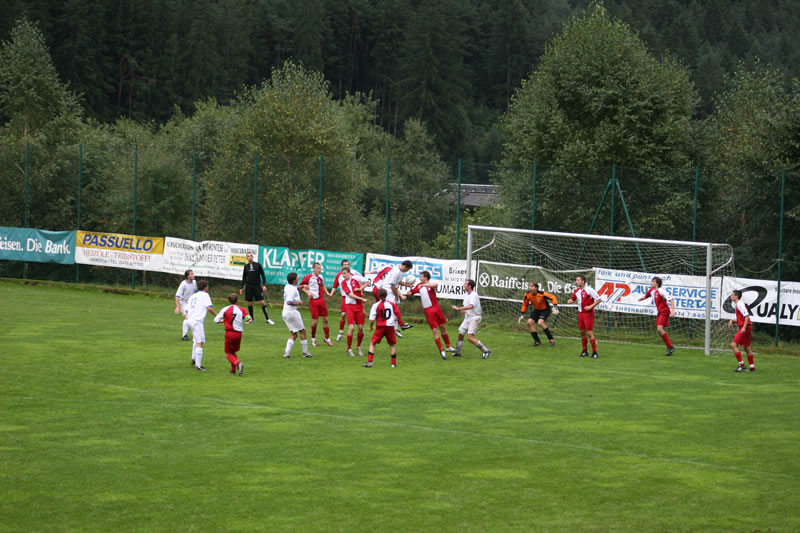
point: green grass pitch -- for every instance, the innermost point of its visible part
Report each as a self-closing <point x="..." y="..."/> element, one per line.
<point x="104" y="426"/>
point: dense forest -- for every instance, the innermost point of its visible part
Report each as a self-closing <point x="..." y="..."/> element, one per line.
<point x="205" y="98"/>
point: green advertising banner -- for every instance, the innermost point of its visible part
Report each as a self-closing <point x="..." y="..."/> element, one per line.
<point x="27" y="244"/>
<point x="279" y="261"/>
<point x="505" y="281"/>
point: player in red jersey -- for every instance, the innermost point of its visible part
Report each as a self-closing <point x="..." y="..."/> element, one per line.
<point x="354" y="306"/>
<point x="587" y="299"/>
<point x="426" y="289"/>
<point x="742" y="337"/>
<point x="387" y="314"/>
<point x="316" y="302"/>
<point x="234" y="318"/>
<point x="665" y="307"/>
<point x="337" y="281"/>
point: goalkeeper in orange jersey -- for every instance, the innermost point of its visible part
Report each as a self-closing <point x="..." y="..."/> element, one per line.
<point x="539" y="302"/>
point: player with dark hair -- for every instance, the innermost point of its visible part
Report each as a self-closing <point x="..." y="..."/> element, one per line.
<point x="234" y="318"/>
<point x="472" y="318"/>
<point x="314" y="286"/>
<point x="291" y="316"/>
<point x="426" y="289"/>
<point x="254" y="285"/>
<point x="354" y="307"/>
<point x="337" y="284"/>
<point x="539" y="302"/>
<point x="185" y="290"/>
<point x="587" y="299"/>
<point x="743" y="335"/>
<point x="665" y="307"/>
<point x="197" y="308"/>
<point x="387" y="314"/>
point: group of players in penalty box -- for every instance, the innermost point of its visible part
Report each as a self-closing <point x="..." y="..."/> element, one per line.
<point x="193" y="302"/>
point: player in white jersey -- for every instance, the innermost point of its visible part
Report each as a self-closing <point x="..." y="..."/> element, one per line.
<point x="391" y="282"/>
<point x="185" y="290"/>
<point x="472" y="319"/>
<point x="199" y="305"/>
<point x="291" y="316"/>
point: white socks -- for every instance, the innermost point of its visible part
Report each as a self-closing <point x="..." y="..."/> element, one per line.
<point x="198" y="356"/>
<point x="289" y="344"/>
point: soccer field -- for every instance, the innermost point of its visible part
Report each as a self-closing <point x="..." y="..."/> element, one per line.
<point x="104" y="426"/>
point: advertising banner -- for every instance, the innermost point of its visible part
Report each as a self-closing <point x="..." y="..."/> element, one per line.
<point x="279" y="261"/>
<point x="118" y="250"/>
<point x="212" y="259"/>
<point x="26" y="244"/>
<point x="450" y="274"/>
<point x="621" y="290"/>
<point x="761" y="297"/>
<point x="507" y="281"/>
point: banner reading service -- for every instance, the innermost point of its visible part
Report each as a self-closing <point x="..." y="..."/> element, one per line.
<point x="118" y="250"/>
<point x="40" y="246"/>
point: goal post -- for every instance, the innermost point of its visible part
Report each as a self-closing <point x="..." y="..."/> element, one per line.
<point x="503" y="260"/>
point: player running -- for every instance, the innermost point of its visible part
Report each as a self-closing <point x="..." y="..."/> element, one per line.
<point x="426" y="289"/>
<point x="587" y="299"/>
<point x="234" y="318"/>
<point x="665" y="307"/>
<point x="197" y="308"/>
<point x="472" y="319"/>
<point x="539" y="302"/>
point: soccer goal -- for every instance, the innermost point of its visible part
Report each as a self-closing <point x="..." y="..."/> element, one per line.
<point x="503" y="260"/>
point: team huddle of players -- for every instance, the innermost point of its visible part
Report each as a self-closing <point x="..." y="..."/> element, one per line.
<point x="386" y="321"/>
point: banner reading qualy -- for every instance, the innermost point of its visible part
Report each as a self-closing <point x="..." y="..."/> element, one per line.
<point x="214" y="259"/>
<point x="761" y="296"/>
<point x="40" y="246"/>
<point x="509" y="282"/>
<point x="119" y="250"/>
<point x="279" y="261"/>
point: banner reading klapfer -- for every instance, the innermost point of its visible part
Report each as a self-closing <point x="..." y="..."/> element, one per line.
<point x="279" y="261"/>
<point x="27" y="244"/>
<point x="214" y="259"/>
<point x="118" y="250"/>
<point x="761" y="296"/>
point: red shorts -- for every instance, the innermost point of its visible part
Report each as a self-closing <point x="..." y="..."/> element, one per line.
<point x="435" y="316"/>
<point x="743" y="339"/>
<point x="384" y="331"/>
<point x="233" y="341"/>
<point x="585" y="321"/>
<point x="662" y="320"/>
<point x="318" y="307"/>
<point x="355" y="314"/>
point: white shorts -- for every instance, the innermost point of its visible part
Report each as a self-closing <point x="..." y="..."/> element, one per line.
<point x="198" y="331"/>
<point x="470" y="325"/>
<point x="294" y="321"/>
<point x="183" y="307"/>
<point x="390" y="297"/>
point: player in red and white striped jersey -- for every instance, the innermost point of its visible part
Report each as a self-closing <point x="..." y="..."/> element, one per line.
<point x="234" y="318"/>
<point x="316" y="302"/>
<point x="744" y="333"/>
<point x="354" y="306"/>
<point x="337" y="284"/>
<point x="426" y="289"/>
<point x="663" y="302"/>
<point x="387" y="315"/>
<point x="587" y="299"/>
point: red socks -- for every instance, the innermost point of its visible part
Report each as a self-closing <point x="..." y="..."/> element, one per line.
<point x="594" y="345"/>
<point x="349" y="342"/>
<point x="359" y="338"/>
<point x="584" y="342"/>
<point x="327" y="333"/>
<point x="739" y="357"/>
<point x="438" y="344"/>
<point x="234" y="361"/>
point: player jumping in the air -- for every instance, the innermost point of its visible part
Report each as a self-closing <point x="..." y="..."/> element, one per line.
<point x="539" y="302"/>
<point x="587" y="299"/>
<point x="743" y="335"/>
<point x="234" y="318"/>
<point x="426" y="289"/>
<point x="665" y="307"/>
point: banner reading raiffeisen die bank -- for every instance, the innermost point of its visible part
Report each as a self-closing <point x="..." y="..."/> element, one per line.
<point x="450" y="274"/>
<point x="118" y="250"/>
<point x="507" y="281"/>
<point x="761" y="296"/>
<point x="279" y="261"/>
<point x="621" y="290"/>
<point x="214" y="259"/>
<point x="26" y="244"/>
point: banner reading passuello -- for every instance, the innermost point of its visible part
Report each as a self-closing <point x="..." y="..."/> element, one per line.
<point x="449" y="274"/>
<point x="279" y="261"/>
<point x="213" y="259"/>
<point x="506" y="281"/>
<point x="621" y="290"/>
<point x="26" y="244"/>
<point x="118" y="250"/>
<point x="761" y="296"/>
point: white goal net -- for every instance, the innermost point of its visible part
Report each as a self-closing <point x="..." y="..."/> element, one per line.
<point x="503" y="260"/>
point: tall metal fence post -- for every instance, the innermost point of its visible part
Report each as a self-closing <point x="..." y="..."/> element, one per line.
<point x="78" y="202"/>
<point x="780" y="258"/>
<point x="319" y="208"/>
<point x="255" y="196"/>
<point x="611" y="232"/>
<point x="27" y="186"/>
<point x="694" y="230"/>
<point x="458" y="213"/>
<point x="135" y="201"/>
<point x="533" y="208"/>
<point x="194" y="190"/>
<point x="386" y="219"/>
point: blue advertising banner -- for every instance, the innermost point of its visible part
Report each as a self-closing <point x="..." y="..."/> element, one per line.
<point x="35" y="245"/>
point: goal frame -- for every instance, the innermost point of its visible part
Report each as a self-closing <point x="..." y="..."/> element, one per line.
<point x="706" y="246"/>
